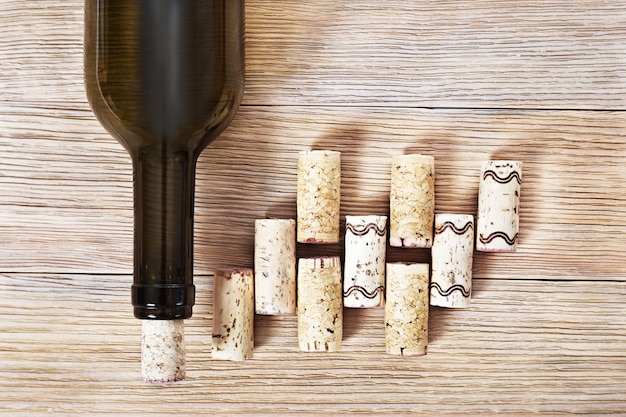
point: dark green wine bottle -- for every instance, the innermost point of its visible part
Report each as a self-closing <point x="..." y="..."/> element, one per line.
<point x="165" y="78"/>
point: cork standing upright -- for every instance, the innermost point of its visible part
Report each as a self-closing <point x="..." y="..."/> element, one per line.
<point x="318" y="196"/>
<point x="233" y="314"/>
<point x="452" y="259"/>
<point x="320" y="306"/>
<point x="497" y="223"/>
<point x="275" y="266"/>
<point x="412" y="201"/>
<point x="364" y="261"/>
<point x="406" y="309"/>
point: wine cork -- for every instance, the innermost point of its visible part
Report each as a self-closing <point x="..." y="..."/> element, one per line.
<point x="364" y="261"/>
<point x="412" y="201"/>
<point x="318" y="196"/>
<point x="406" y="309"/>
<point x="497" y="223"/>
<point x="452" y="256"/>
<point x="320" y="309"/>
<point x="162" y="350"/>
<point x="233" y="315"/>
<point x="275" y="266"/>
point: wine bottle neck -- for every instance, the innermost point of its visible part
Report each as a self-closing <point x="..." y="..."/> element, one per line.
<point x="164" y="199"/>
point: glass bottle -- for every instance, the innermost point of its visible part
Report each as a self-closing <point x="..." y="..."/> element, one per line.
<point x="165" y="78"/>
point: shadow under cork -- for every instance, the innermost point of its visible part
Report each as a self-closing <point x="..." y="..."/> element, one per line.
<point x="357" y="320"/>
<point x="278" y="330"/>
<point x="438" y="322"/>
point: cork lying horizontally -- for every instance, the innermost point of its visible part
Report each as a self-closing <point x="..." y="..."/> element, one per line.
<point x="452" y="259"/>
<point x="163" y="350"/>
<point x="318" y="196"/>
<point x="497" y="223"/>
<point x="364" y="261"/>
<point x="320" y="307"/>
<point x="233" y="314"/>
<point x="406" y="309"/>
<point x="412" y="201"/>
<point x="275" y="266"/>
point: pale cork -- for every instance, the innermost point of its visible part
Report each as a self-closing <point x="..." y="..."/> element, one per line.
<point x="406" y="309"/>
<point x="412" y="201"/>
<point x="320" y="308"/>
<point x="364" y="261"/>
<point x="452" y="258"/>
<point x="275" y="266"/>
<point x="318" y="196"/>
<point x="162" y="350"/>
<point x="497" y="223"/>
<point x="233" y="315"/>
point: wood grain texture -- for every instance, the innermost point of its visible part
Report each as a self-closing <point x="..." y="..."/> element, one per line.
<point x="542" y="82"/>
<point x="486" y="53"/>
<point x="67" y="186"/>
<point x="523" y="347"/>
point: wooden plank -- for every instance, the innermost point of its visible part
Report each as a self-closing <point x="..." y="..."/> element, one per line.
<point x="55" y="215"/>
<point x="537" y="81"/>
<point x="66" y="186"/>
<point x="70" y="346"/>
<point x="533" y="54"/>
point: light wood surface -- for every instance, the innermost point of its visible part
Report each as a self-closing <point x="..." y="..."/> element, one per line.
<point x="542" y="82"/>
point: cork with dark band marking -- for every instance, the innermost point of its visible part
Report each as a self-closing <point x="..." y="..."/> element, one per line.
<point x="497" y="223"/>
<point x="452" y="259"/>
<point x="364" y="261"/>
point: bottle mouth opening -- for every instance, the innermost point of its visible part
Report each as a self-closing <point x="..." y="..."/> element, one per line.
<point x="163" y="301"/>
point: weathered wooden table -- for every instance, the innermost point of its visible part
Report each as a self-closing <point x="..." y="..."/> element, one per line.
<point x="542" y="82"/>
